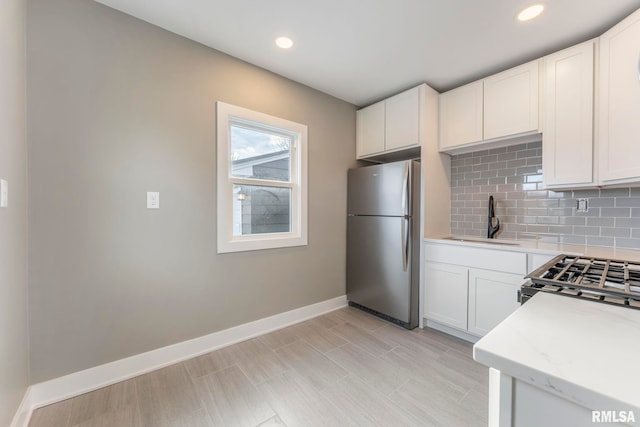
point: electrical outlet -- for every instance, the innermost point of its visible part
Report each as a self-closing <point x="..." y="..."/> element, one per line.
<point x="583" y="205"/>
<point x="153" y="200"/>
<point x="4" y="193"/>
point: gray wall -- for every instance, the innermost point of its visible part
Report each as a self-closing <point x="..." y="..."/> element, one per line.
<point x="513" y="176"/>
<point x="14" y="357"/>
<point x="119" y="107"/>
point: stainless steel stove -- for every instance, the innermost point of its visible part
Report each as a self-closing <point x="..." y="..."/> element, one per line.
<point x="596" y="279"/>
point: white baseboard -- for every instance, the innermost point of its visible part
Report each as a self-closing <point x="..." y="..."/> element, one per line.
<point x="81" y="382"/>
<point x="451" y="331"/>
<point x="23" y="414"/>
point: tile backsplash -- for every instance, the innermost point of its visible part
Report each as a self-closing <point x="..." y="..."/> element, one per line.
<point x="513" y="175"/>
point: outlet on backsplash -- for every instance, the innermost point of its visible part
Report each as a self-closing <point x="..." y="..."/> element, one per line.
<point x="582" y="205"/>
<point x="513" y="175"/>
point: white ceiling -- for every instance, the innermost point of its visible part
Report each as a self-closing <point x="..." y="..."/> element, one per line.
<point x="364" y="50"/>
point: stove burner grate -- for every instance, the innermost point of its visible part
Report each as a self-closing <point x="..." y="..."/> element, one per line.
<point x="598" y="279"/>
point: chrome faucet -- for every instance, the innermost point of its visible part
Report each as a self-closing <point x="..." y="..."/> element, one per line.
<point x="492" y="229"/>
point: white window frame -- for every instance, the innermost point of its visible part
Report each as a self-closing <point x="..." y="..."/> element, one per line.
<point x="227" y="114"/>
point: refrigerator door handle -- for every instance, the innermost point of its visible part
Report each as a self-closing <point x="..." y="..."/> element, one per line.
<point x="405" y="244"/>
<point x="405" y="187"/>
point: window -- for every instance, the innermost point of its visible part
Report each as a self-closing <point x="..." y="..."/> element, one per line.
<point x="262" y="181"/>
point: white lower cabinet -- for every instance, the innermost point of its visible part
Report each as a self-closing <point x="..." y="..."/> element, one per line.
<point x="493" y="296"/>
<point x="446" y="294"/>
<point x="469" y="290"/>
<point x="469" y="299"/>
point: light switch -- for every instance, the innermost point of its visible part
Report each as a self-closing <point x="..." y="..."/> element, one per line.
<point x="4" y="193"/>
<point x="153" y="200"/>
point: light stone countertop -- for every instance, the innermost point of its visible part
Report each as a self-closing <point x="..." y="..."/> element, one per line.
<point x="584" y="351"/>
<point x="536" y="246"/>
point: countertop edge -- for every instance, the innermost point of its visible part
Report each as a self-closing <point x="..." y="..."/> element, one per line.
<point x="568" y="390"/>
<point x="538" y="247"/>
<point x="520" y="247"/>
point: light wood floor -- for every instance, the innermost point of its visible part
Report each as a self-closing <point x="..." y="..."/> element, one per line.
<point x="345" y="368"/>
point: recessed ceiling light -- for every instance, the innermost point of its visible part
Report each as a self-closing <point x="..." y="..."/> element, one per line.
<point x="284" y="42"/>
<point x="530" y="12"/>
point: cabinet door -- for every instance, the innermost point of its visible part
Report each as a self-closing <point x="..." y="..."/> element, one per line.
<point x="620" y="102"/>
<point x="370" y="130"/>
<point x="492" y="297"/>
<point x="461" y="116"/>
<point x="511" y="101"/>
<point x="446" y="294"/>
<point x="567" y="143"/>
<point x="402" y="120"/>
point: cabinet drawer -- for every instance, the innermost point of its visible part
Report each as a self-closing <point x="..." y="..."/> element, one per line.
<point x="538" y="260"/>
<point x="487" y="259"/>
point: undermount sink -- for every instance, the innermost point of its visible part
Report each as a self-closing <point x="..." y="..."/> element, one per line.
<point x="480" y="240"/>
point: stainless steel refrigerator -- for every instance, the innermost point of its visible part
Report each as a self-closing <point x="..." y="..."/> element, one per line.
<point x="383" y="240"/>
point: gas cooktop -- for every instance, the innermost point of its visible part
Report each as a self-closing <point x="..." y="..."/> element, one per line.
<point x="597" y="279"/>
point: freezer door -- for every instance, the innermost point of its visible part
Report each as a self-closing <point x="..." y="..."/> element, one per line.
<point x="379" y="264"/>
<point x="380" y="189"/>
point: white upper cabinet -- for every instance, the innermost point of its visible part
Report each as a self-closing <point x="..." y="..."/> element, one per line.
<point x="461" y="115"/>
<point x="499" y="110"/>
<point x="619" y="112"/>
<point x="402" y="120"/>
<point x="370" y="130"/>
<point x="511" y="102"/>
<point x="567" y="142"/>
<point x="391" y="125"/>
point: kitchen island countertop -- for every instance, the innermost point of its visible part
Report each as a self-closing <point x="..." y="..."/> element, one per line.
<point x="582" y="351"/>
